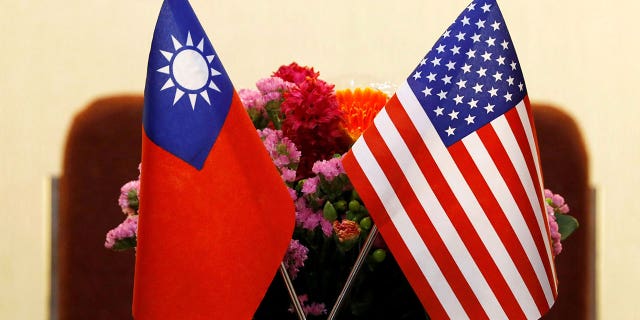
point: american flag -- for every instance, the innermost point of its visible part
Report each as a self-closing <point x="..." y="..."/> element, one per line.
<point x="450" y="173"/>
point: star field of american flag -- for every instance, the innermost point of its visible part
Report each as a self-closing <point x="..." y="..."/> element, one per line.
<point x="471" y="75"/>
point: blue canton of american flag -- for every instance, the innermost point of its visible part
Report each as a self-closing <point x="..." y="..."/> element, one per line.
<point x="471" y="76"/>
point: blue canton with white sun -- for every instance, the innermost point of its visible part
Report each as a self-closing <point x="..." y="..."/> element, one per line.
<point x="188" y="93"/>
<point x="471" y="75"/>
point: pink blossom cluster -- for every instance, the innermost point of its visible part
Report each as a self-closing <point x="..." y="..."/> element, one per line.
<point x="311" y="308"/>
<point x="269" y="89"/>
<point x="328" y="168"/>
<point x="127" y="229"/>
<point x="309" y="219"/>
<point x="129" y="189"/>
<point x="283" y="152"/>
<point x="555" y="205"/>
<point x="295" y="257"/>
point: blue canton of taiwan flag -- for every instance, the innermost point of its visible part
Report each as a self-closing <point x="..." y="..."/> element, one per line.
<point x="184" y="72"/>
<point x="450" y="174"/>
<point x="215" y="217"/>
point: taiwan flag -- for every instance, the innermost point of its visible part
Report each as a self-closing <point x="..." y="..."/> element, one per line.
<point x="215" y="216"/>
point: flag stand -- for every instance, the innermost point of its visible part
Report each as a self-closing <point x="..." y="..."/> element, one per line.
<point x="354" y="272"/>
<point x="292" y="292"/>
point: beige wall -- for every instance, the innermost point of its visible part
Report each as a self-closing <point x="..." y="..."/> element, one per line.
<point x="57" y="56"/>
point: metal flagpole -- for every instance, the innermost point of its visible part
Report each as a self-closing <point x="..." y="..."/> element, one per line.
<point x="354" y="272"/>
<point x="292" y="292"/>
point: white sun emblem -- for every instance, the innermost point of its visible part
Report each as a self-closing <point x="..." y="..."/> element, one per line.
<point x="189" y="70"/>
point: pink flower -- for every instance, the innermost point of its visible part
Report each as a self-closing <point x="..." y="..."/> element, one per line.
<point x="127" y="229"/>
<point x="328" y="168"/>
<point x="128" y="192"/>
<point x="251" y="99"/>
<point x="310" y="186"/>
<point x="273" y="87"/>
<point x="311" y="308"/>
<point x="295" y="257"/>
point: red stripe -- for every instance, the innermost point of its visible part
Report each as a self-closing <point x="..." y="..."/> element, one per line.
<point x="393" y="239"/>
<point x="420" y="220"/>
<point x="456" y="214"/>
<point x="510" y="176"/>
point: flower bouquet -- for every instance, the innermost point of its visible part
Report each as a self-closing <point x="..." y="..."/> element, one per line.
<point x="306" y="127"/>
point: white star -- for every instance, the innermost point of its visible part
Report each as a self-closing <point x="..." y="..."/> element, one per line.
<point x="505" y="45"/>
<point x="460" y="36"/>
<point x="440" y="48"/>
<point x="417" y="75"/>
<point x="489" y="107"/>
<point x="469" y="119"/>
<point x="461" y="84"/>
<point x="446" y="79"/>
<point x="507" y="96"/>
<point x="442" y="95"/>
<point x="478" y="87"/>
<point x="491" y="42"/>
<point x="510" y="81"/>
<point x="465" y="21"/>
<point x="446" y="34"/>
<point x="466" y="68"/>
<point x="495" y="25"/>
<point x="427" y="91"/>
<point x="486" y="7"/>
<point x="450" y="131"/>
<point x="451" y="65"/>
<point x="493" y="92"/>
<point x="438" y="111"/>
<point x="521" y="86"/>
<point x="500" y="60"/>
<point x="423" y="61"/>
<point x="431" y="76"/>
<point x="482" y="72"/>
<point x="435" y="61"/>
<point x="480" y="24"/>
<point x="473" y="103"/>
<point x="476" y="38"/>
<point x="486" y="56"/>
<point x="471" y="53"/>
<point x="458" y="99"/>
<point x="497" y="76"/>
<point x="513" y="65"/>
<point x="471" y="7"/>
<point x="455" y="50"/>
<point x="453" y="114"/>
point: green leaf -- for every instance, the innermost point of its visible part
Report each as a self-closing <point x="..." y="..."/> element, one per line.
<point x="566" y="225"/>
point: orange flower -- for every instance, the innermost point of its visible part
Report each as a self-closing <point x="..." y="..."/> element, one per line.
<point x="359" y="107"/>
<point x="346" y="230"/>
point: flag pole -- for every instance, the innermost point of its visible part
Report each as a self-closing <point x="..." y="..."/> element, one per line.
<point x="354" y="272"/>
<point x="292" y="292"/>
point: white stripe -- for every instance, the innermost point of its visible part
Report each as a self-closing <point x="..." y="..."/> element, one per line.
<point x="407" y="231"/>
<point x="466" y="197"/>
<point x="544" y="227"/>
<point x="438" y="216"/>
<point x="507" y="138"/>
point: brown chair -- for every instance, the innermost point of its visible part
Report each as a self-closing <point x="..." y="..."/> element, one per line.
<point x="565" y="169"/>
<point x="103" y="151"/>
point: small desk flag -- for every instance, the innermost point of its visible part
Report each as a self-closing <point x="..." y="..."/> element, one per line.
<point x="215" y="217"/>
<point x="450" y="173"/>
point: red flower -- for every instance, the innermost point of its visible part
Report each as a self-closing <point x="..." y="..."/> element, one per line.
<point x="313" y="121"/>
<point x="346" y="230"/>
<point x="295" y="73"/>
